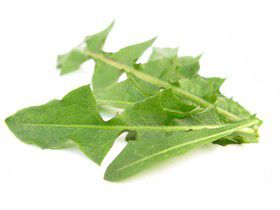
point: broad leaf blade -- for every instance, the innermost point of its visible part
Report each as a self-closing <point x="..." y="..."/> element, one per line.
<point x="141" y="154"/>
<point x="76" y="118"/>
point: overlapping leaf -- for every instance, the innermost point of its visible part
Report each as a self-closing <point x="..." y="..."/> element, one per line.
<point x="76" y="118"/>
<point x="164" y="69"/>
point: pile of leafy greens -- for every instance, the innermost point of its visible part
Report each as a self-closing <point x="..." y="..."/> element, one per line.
<point x="167" y="108"/>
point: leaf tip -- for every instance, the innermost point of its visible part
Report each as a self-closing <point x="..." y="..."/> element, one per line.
<point x="112" y="23"/>
<point x="8" y="121"/>
<point x="61" y="72"/>
<point x="109" y="28"/>
<point x="199" y="56"/>
<point x="109" y="176"/>
<point x="153" y="39"/>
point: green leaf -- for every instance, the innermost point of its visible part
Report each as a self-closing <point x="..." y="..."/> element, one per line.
<point x="96" y="42"/>
<point x="143" y="153"/>
<point x="166" y="70"/>
<point x="169" y="108"/>
<point x="106" y="75"/>
<point x="76" y="118"/>
<point x="160" y="83"/>
<point x="110" y="66"/>
<point x="125" y="94"/>
<point x="162" y="65"/>
<point x="71" y="61"/>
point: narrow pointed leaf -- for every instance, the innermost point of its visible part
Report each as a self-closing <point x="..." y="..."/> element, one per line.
<point x="96" y="42"/>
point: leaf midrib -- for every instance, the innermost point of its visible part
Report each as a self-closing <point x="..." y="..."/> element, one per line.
<point x="125" y="127"/>
<point x="136" y="127"/>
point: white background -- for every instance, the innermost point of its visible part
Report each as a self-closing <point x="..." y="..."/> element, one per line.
<point x="239" y="41"/>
